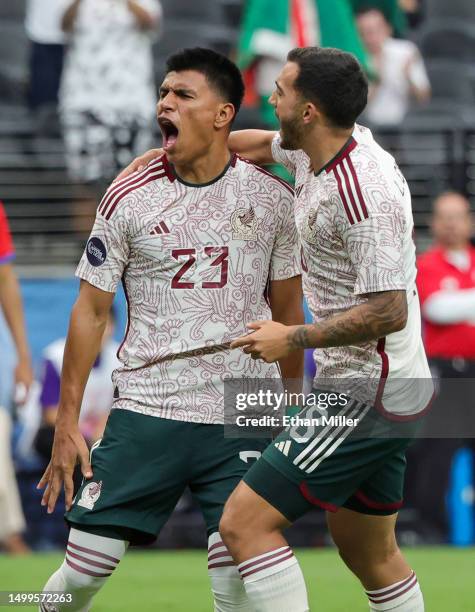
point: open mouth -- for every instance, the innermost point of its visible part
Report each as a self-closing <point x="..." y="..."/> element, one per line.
<point x="169" y="133"/>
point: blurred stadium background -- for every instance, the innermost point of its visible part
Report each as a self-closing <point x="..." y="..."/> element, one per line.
<point x="50" y="214"/>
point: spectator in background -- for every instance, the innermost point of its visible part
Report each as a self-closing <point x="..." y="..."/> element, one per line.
<point x="413" y="12"/>
<point x="12" y="521"/>
<point x="108" y="94"/>
<point x="270" y="28"/>
<point x="98" y="395"/>
<point x="399" y="68"/>
<point x="393" y="10"/>
<point x="43" y="27"/>
<point x="446" y="285"/>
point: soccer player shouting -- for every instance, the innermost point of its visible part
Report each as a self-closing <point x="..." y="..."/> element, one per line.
<point x="354" y="218"/>
<point x="198" y="240"/>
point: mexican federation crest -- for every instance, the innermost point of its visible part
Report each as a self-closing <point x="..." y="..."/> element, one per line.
<point x="244" y="224"/>
<point x="90" y="494"/>
<point x="309" y="227"/>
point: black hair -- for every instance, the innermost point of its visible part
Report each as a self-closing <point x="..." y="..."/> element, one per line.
<point x="333" y="80"/>
<point x="222" y="74"/>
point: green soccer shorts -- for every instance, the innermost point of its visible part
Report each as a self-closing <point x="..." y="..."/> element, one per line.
<point x="359" y="466"/>
<point x="142" y="466"/>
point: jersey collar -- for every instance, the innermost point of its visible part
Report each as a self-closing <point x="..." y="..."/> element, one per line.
<point x="345" y="150"/>
<point x="231" y="163"/>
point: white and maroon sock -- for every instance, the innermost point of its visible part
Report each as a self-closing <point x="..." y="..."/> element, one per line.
<point x="228" y="589"/>
<point x="402" y="596"/>
<point x="274" y="582"/>
<point x="90" y="560"/>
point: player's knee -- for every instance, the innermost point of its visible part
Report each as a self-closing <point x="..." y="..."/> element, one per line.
<point x="358" y="559"/>
<point x="234" y="526"/>
<point x="229" y="527"/>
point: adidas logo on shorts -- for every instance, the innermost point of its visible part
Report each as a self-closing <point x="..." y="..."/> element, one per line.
<point x="284" y="447"/>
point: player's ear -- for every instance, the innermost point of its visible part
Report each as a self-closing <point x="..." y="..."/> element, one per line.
<point x="224" y="115"/>
<point x="310" y="112"/>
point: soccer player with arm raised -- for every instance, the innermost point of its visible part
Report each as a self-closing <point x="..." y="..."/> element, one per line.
<point x="203" y="243"/>
<point x="354" y="218"/>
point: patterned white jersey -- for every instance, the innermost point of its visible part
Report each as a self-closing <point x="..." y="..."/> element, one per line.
<point x="195" y="263"/>
<point x="355" y="223"/>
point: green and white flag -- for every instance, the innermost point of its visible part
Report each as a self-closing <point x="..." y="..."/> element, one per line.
<point x="270" y="28"/>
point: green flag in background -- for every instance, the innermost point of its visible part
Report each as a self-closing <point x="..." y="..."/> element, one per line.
<point x="270" y="28"/>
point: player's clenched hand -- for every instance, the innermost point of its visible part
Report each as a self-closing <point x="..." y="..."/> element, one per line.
<point x="139" y="163"/>
<point x="69" y="444"/>
<point x="269" y="341"/>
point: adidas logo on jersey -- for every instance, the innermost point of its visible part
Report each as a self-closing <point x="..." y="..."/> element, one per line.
<point x="284" y="447"/>
<point x="161" y="228"/>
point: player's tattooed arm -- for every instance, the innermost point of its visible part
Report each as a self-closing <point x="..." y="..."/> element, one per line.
<point x="382" y="314"/>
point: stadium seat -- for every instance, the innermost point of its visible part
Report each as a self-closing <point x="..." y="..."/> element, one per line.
<point x="180" y="34"/>
<point x="232" y="11"/>
<point x="451" y="80"/>
<point x="440" y="114"/>
<point x="447" y="39"/>
<point x="442" y="9"/>
<point x="13" y="9"/>
<point x="14" y="65"/>
<point x="201" y="12"/>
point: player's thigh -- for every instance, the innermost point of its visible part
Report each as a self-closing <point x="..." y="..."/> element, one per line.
<point x="363" y="536"/>
<point x="140" y="469"/>
<point x="364" y="529"/>
<point x="247" y="512"/>
<point x="320" y="465"/>
<point x="332" y="466"/>
<point x="274" y="488"/>
<point x="220" y="464"/>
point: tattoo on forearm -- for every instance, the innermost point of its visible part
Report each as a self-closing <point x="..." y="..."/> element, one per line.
<point x="381" y="314"/>
<point x="300" y="338"/>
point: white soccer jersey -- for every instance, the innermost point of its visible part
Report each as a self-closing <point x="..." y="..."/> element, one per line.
<point x="195" y="262"/>
<point x="355" y="223"/>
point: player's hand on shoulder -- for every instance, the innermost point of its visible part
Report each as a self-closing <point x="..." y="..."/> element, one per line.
<point x="139" y="163"/>
<point x="268" y="340"/>
<point x="69" y="446"/>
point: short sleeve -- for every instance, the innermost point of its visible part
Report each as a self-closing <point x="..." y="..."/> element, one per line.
<point x="417" y="71"/>
<point x="107" y="250"/>
<point x="287" y="158"/>
<point x="285" y="262"/>
<point x="375" y="247"/>
<point x="7" y="251"/>
<point x="153" y="7"/>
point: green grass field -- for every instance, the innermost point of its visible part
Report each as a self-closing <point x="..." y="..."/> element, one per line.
<point x="177" y="581"/>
